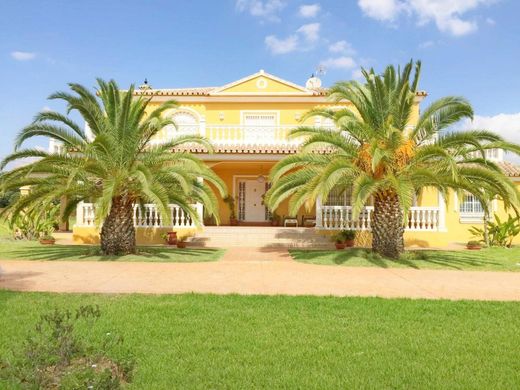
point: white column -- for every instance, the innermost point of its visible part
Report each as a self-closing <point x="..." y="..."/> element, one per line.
<point x="79" y="214"/>
<point x="442" y="212"/>
<point x="319" y="220"/>
<point x="202" y="124"/>
<point x="200" y="206"/>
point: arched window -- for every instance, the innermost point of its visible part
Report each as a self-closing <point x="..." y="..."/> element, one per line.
<point x="186" y="123"/>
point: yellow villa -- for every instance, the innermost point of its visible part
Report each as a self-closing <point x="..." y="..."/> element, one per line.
<point x="248" y="121"/>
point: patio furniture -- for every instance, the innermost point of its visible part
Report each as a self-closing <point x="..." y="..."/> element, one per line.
<point x="290" y="221"/>
<point x="308" y="221"/>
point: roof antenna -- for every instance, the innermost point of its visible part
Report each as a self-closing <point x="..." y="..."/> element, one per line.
<point x="145" y="85"/>
<point x="321" y="70"/>
<point x="314" y="82"/>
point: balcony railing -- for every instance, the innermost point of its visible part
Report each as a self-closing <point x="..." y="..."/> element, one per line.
<point x="340" y="218"/>
<point x="145" y="216"/>
<point x="250" y="135"/>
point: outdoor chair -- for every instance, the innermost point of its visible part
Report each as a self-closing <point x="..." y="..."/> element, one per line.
<point x="290" y="221"/>
<point x="308" y="220"/>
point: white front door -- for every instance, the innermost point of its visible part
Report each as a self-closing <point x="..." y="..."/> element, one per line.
<point x="254" y="209"/>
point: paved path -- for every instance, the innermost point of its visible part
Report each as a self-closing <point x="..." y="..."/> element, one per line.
<point x="254" y="271"/>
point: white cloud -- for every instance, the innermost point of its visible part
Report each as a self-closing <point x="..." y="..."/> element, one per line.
<point x="281" y="46"/>
<point x="343" y="62"/>
<point x="426" y="44"/>
<point x="23" y="55"/>
<point x="46" y="108"/>
<point x="309" y="10"/>
<point x="301" y="40"/>
<point x="311" y="32"/>
<point x="384" y="10"/>
<point x="490" y="21"/>
<point x="506" y="125"/>
<point x="264" y="9"/>
<point x="446" y="14"/>
<point x="341" y="47"/>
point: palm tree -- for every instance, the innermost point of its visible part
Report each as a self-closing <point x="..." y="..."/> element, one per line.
<point x="376" y="152"/>
<point x="117" y="167"/>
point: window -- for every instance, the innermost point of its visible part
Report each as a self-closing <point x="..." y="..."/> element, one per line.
<point x="259" y="119"/>
<point x="340" y="197"/>
<point x="186" y="123"/>
<point x="471" y="206"/>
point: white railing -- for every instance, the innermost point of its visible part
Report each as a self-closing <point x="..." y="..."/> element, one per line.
<point x="340" y="218"/>
<point x="145" y="216"/>
<point x="250" y="135"/>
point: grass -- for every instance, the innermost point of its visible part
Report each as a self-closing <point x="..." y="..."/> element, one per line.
<point x="31" y="250"/>
<point x="492" y="259"/>
<point x="243" y="342"/>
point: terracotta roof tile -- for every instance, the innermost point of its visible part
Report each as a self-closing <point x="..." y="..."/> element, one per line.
<point x="201" y="91"/>
<point x="509" y="169"/>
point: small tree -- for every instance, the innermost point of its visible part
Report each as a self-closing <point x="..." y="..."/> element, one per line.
<point x="116" y="168"/>
<point x="378" y="152"/>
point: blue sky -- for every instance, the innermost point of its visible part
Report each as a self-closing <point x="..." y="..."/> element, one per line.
<point x="468" y="47"/>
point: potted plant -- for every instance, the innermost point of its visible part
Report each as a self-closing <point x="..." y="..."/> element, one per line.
<point x="339" y="241"/>
<point x="170" y="238"/>
<point x="474" y="245"/>
<point x="350" y="237"/>
<point x="47" y="239"/>
<point x="230" y="201"/>
<point x="181" y="242"/>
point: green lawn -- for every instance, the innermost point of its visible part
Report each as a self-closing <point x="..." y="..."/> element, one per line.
<point x="493" y="259"/>
<point x="31" y="250"/>
<point x="243" y="342"/>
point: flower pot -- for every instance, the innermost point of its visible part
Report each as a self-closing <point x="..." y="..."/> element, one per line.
<point x="233" y="221"/>
<point x="181" y="244"/>
<point x="349" y="243"/>
<point x="47" y="241"/>
<point x="474" y="247"/>
<point x="340" y="245"/>
<point x="172" y="238"/>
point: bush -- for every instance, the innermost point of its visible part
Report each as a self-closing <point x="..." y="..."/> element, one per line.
<point x="35" y="223"/>
<point x="55" y="356"/>
<point x="501" y="233"/>
<point x="348" y="234"/>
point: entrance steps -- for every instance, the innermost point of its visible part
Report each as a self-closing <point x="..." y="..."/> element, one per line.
<point x="260" y="237"/>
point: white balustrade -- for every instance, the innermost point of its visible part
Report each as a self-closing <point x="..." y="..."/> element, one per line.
<point x="340" y="218"/>
<point x="250" y="135"/>
<point x="146" y="216"/>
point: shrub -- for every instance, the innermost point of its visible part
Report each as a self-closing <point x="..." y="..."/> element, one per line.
<point x="348" y="234"/>
<point x="337" y="238"/>
<point x="56" y="356"/>
<point x="32" y="224"/>
<point x="501" y="233"/>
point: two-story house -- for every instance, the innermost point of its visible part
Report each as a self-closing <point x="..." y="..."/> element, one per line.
<point x="248" y="121"/>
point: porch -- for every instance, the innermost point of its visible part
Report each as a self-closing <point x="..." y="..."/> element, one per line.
<point x="150" y="226"/>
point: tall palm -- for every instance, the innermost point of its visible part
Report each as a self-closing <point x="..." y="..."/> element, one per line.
<point x="377" y="152"/>
<point x="117" y="167"/>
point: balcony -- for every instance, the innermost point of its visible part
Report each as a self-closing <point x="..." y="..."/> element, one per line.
<point x="234" y="135"/>
<point x="250" y="135"/>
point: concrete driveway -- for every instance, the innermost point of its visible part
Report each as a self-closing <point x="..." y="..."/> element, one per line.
<point x="254" y="271"/>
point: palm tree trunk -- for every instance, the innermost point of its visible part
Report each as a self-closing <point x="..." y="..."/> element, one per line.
<point x="486" y="231"/>
<point x="118" y="232"/>
<point x="387" y="225"/>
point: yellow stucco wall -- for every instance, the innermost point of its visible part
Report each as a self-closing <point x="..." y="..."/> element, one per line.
<point x="143" y="236"/>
